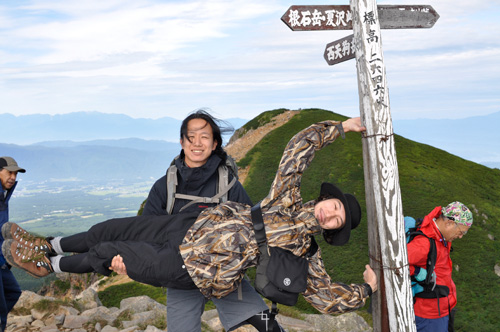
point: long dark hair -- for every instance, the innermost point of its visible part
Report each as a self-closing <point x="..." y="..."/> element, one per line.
<point x="218" y="126"/>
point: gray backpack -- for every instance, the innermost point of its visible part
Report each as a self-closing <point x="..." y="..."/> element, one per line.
<point x="222" y="188"/>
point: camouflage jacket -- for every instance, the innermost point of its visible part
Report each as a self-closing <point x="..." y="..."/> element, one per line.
<point x="220" y="246"/>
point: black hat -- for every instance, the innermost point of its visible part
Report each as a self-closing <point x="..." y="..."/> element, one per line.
<point x="10" y="164"/>
<point x="339" y="237"/>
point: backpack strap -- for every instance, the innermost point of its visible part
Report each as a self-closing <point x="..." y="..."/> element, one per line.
<point x="431" y="262"/>
<point x="260" y="237"/>
<point x="272" y="317"/>
<point x="258" y="226"/>
<point x="198" y="199"/>
<point x="223" y="181"/>
<point x="171" y="186"/>
<point x="221" y="196"/>
<point x="431" y="257"/>
<point x="431" y="289"/>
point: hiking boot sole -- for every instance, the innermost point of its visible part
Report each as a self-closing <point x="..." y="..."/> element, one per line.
<point x="17" y="255"/>
<point x="7" y="230"/>
<point x="15" y="232"/>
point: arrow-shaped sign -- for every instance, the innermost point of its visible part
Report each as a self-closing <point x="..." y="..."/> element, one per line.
<point x="339" y="17"/>
<point x="340" y="50"/>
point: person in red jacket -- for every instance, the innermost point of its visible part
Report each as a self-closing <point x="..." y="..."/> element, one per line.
<point x="443" y="225"/>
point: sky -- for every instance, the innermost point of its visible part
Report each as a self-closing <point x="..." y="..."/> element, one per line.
<point x="151" y="59"/>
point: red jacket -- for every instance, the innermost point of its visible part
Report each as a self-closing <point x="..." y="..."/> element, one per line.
<point x="418" y="249"/>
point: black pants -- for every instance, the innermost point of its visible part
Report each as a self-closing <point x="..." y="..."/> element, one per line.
<point x="149" y="246"/>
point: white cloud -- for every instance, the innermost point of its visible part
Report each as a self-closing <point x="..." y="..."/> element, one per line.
<point x="87" y="32"/>
<point x="145" y="58"/>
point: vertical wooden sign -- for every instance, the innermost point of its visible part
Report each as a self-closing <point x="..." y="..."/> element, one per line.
<point x="393" y="304"/>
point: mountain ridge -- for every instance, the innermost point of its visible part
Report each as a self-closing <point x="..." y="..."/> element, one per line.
<point x="86" y="126"/>
<point x="474" y="138"/>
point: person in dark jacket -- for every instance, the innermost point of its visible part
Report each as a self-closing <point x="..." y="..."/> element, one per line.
<point x="213" y="249"/>
<point x="198" y="175"/>
<point x="197" y="169"/>
<point x="9" y="288"/>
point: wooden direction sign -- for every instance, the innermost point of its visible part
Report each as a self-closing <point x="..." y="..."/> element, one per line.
<point x="390" y="17"/>
<point x="339" y="17"/>
<point x="340" y="50"/>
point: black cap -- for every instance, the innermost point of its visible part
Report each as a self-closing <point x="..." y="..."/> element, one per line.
<point x="339" y="237"/>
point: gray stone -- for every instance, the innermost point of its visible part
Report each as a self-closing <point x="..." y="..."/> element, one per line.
<point x="145" y="318"/>
<point x="67" y="311"/>
<point x="38" y="314"/>
<point x="88" y="299"/>
<point x="108" y="328"/>
<point x="100" y="313"/>
<point x="215" y="324"/>
<point x="38" y="323"/>
<point x="54" y="319"/>
<point x="141" y="304"/>
<point x="74" y="321"/>
<point x="28" y="299"/>
<point x="20" y="320"/>
<point x="113" y="310"/>
<point x="49" y="328"/>
<point x="295" y="324"/>
<point x="151" y="328"/>
<point x="209" y="314"/>
<point x="129" y="323"/>
<point x="348" y="322"/>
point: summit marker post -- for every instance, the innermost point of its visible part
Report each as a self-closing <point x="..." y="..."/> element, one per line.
<point x="393" y="303"/>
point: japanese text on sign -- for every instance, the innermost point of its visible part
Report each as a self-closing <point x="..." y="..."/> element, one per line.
<point x="340" y="50"/>
<point x="320" y="18"/>
<point x="375" y="60"/>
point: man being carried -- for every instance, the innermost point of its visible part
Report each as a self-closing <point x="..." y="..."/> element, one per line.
<point x="213" y="250"/>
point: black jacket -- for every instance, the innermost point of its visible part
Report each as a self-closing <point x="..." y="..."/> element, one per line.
<point x="197" y="181"/>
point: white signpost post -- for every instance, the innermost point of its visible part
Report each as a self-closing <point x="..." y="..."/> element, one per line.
<point x="392" y="304"/>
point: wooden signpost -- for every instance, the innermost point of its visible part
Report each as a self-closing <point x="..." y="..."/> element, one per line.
<point x="339" y="17"/>
<point x="392" y="304"/>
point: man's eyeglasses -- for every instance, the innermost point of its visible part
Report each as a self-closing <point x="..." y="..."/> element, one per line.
<point x="461" y="232"/>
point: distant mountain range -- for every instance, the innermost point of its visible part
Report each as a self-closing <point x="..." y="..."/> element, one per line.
<point x="476" y="138"/>
<point x="86" y="126"/>
<point x="93" y="160"/>
<point x="93" y="145"/>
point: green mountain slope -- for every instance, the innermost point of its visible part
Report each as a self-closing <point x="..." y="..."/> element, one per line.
<point x="429" y="177"/>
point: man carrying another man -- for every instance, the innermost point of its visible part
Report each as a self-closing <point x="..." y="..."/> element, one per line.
<point x="9" y="288"/>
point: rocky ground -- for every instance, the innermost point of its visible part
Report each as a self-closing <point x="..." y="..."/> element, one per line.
<point x="39" y="313"/>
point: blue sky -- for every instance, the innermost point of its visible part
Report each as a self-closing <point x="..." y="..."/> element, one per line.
<point x="166" y="58"/>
